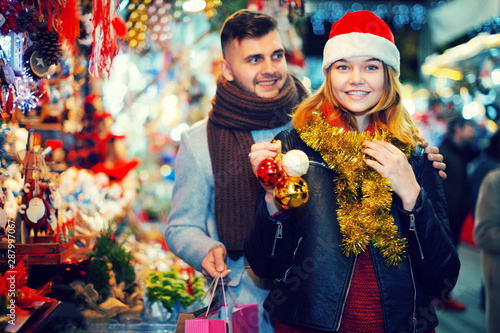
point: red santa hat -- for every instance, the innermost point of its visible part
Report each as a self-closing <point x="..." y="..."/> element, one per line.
<point x="361" y="33"/>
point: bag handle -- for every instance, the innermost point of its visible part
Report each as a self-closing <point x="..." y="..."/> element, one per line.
<point x="219" y="277"/>
<point x="232" y="295"/>
<point x="206" y="293"/>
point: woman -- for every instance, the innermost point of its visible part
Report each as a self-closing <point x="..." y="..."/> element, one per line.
<point x="372" y="246"/>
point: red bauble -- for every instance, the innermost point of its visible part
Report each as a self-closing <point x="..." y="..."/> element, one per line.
<point x="269" y="172"/>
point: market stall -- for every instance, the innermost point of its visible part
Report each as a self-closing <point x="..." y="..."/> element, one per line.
<point x="94" y="96"/>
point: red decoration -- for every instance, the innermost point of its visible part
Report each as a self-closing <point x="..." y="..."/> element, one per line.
<point x="120" y="27"/>
<point x="70" y="24"/>
<point x="269" y="172"/>
<point x="104" y="47"/>
<point x="9" y="10"/>
<point x="25" y="297"/>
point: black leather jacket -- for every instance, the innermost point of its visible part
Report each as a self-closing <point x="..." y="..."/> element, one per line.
<point x="302" y="253"/>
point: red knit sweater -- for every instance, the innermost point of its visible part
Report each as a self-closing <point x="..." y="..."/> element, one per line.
<point x="363" y="309"/>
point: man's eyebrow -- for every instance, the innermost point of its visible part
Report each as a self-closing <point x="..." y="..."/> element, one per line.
<point x="259" y="55"/>
<point x="252" y="56"/>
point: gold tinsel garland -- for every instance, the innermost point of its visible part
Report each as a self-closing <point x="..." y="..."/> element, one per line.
<point x="368" y="218"/>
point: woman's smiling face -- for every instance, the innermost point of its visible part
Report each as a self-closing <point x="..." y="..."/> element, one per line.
<point x="358" y="83"/>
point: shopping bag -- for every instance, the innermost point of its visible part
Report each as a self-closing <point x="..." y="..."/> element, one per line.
<point x="181" y="320"/>
<point x="208" y="323"/>
<point x="245" y="317"/>
<point x="198" y="313"/>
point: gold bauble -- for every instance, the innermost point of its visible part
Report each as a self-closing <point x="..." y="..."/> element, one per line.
<point x="291" y="192"/>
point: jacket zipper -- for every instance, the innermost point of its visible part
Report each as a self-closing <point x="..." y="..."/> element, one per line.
<point x="414" y="316"/>
<point x="412" y="228"/>
<point x="347" y="293"/>
<point x="279" y="235"/>
<point x="322" y="164"/>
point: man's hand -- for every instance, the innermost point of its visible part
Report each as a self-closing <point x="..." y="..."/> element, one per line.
<point x="436" y="158"/>
<point x="214" y="263"/>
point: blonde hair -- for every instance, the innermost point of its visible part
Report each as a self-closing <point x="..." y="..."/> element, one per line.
<point x="389" y="113"/>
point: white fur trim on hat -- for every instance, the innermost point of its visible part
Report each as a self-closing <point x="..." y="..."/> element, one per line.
<point x="360" y="44"/>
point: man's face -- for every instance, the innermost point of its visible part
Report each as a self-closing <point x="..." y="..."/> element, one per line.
<point x="467" y="134"/>
<point x="256" y="65"/>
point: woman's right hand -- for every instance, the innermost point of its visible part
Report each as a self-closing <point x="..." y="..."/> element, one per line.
<point x="262" y="150"/>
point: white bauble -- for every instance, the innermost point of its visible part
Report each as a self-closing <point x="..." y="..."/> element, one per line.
<point x="295" y="163"/>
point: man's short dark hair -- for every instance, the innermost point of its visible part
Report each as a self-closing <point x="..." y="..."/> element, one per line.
<point x="458" y="122"/>
<point x="246" y="24"/>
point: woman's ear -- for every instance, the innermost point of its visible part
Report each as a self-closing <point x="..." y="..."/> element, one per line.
<point x="225" y="69"/>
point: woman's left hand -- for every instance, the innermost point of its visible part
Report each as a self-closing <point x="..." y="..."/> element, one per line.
<point x="392" y="163"/>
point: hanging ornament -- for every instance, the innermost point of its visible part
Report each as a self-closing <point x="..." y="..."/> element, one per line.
<point x="47" y="45"/>
<point x="70" y="24"/>
<point x="269" y="171"/>
<point x="8" y="16"/>
<point x="38" y="65"/>
<point x="291" y="192"/>
<point x="105" y="46"/>
<point x="27" y="21"/>
<point x="295" y="163"/>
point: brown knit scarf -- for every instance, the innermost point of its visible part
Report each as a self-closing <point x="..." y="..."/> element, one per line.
<point x="234" y="114"/>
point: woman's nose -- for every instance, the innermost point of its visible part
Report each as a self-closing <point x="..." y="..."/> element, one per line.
<point x="356" y="76"/>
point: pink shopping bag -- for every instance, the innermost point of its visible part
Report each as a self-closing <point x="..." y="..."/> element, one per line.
<point x="245" y="318"/>
<point x="208" y="323"/>
<point x="205" y="325"/>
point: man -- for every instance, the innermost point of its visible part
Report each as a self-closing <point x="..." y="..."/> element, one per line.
<point x="458" y="151"/>
<point x="214" y="193"/>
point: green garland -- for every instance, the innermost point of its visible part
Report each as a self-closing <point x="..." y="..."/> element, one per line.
<point x="362" y="219"/>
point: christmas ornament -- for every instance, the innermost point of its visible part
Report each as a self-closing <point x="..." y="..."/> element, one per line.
<point x="36" y="210"/>
<point x="364" y="195"/>
<point x="3" y="218"/>
<point x="270" y="171"/>
<point x="38" y="65"/>
<point x="105" y="46"/>
<point x="291" y="192"/>
<point x="8" y="16"/>
<point x="295" y="163"/>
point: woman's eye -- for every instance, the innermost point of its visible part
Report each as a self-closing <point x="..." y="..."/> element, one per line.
<point x="342" y="67"/>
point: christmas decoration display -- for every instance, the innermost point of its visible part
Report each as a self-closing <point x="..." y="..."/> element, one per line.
<point x="362" y="219"/>
<point x="174" y="286"/>
<point x="24" y="297"/>
<point x="111" y="289"/>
